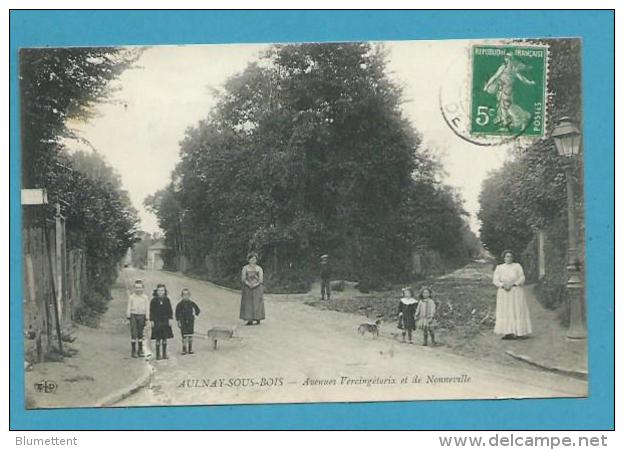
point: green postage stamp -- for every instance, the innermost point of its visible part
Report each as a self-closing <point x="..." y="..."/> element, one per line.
<point x="508" y="90"/>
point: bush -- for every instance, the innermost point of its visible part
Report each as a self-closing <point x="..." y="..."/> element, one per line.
<point x="372" y="283"/>
<point x="292" y="185"/>
<point x="86" y="316"/>
<point x="563" y="315"/>
<point x="284" y="283"/>
<point x="232" y="282"/>
<point x="460" y="304"/>
<point x="551" y="293"/>
<point x="529" y="260"/>
<point x="90" y="310"/>
<point x="551" y="290"/>
<point x="288" y="283"/>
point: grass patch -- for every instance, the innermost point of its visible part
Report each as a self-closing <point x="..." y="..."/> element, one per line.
<point x="466" y="306"/>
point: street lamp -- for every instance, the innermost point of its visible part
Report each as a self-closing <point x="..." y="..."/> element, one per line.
<point x="567" y="139"/>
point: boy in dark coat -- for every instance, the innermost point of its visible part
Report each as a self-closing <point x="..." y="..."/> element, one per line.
<point x="185" y="313"/>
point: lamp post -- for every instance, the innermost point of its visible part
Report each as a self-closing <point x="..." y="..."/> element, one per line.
<point x="567" y="139"/>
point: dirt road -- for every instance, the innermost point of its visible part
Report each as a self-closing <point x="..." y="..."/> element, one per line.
<point x="301" y="354"/>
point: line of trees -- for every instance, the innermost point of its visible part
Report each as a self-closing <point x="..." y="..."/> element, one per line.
<point x="529" y="192"/>
<point x="56" y="87"/>
<point x="307" y="153"/>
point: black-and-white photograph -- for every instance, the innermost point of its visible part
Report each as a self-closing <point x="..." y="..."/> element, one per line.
<point x="303" y="222"/>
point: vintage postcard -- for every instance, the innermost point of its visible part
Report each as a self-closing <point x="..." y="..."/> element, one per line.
<point x="306" y="222"/>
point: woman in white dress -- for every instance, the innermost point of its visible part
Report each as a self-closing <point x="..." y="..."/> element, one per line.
<point x="512" y="314"/>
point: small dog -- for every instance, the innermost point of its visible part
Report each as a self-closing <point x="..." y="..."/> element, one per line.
<point x="372" y="328"/>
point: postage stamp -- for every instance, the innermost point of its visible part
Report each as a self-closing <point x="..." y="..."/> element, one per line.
<point x="508" y="90"/>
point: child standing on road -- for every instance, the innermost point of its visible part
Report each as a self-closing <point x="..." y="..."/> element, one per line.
<point x="407" y="310"/>
<point x="425" y="315"/>
<point x="185" y="313"/>
<point x="161" y="316"/>
<point x="137" y="312"/>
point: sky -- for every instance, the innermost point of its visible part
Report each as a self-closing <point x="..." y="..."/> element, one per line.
<point x="139" y="130"/>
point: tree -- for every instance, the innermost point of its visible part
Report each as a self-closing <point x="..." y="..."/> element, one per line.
<point x="528" y="193"/>
<point x="166" y="206"/>
<point x="57" y="85"/>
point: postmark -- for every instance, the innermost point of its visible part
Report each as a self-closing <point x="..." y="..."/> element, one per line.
<point x="508" y="90"/>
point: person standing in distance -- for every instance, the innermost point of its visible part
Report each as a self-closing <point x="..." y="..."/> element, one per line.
<point x="325" y="277"/>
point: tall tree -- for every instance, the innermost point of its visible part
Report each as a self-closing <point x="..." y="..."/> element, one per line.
<point x="58" y="85"/>
<point x="100" y="218"/>
<point x="308" y="152"/>
<point x="529" y="192"/>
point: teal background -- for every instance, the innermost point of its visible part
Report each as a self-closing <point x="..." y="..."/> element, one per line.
<point x="483" y="68"/>
<point x="596" y="28"/>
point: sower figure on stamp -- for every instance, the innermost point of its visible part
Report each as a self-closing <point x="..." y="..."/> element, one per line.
<point x="185" y="313"/>
<point x="137" y="313"/>
<point x="325" y="277"/>
<point x="509" y="115"/>
<point x="161" y="316"/>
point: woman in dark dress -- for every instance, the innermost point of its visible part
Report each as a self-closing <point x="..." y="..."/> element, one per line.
<point x="406" y="312"/>
<point x="252" y="301"/>
<point x="161" y="316"/>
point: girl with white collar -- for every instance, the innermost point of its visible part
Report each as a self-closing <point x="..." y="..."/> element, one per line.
<point x="407" y="310"/>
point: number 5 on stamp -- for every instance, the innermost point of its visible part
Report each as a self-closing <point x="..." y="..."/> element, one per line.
<point x="508" y="90"/>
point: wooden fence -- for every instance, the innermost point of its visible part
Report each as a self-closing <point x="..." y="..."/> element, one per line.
<point x="54" y="281"/>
